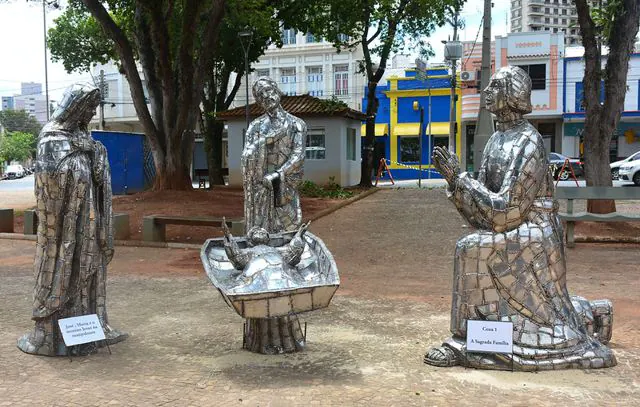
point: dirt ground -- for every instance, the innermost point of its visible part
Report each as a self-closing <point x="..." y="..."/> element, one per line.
<point x="394" y="250"/>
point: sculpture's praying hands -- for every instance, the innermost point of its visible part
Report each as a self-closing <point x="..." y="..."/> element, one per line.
<point x="446" y="163"/>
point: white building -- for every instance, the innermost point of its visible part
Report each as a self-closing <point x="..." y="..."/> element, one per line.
<point x="332" y="145"/>
<point x="119" y="112"/>
<point x="306" y="65"/>
<point x="540" y="55"/>
<point x="30" y="100"/>
<point x="554" y="16"/>
<point x="626" y="139"/>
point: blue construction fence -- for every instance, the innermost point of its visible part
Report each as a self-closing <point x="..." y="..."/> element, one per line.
<point x="131" y="162"/>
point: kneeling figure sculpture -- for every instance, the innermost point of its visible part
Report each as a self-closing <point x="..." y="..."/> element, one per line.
<point x="513" y="269"/>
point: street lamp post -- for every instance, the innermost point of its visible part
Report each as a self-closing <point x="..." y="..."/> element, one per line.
<point x="46" y="58"/>
<point x="246" y="36"/>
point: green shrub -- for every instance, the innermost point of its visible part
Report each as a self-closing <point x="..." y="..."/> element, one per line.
<point x="330" y="190"/>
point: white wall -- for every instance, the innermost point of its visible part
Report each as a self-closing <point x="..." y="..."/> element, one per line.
<point x="303" y="55"/>
<point x="346" y="172"/>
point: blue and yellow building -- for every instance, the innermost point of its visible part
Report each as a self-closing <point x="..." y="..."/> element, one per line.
<point x="398" y="121"/>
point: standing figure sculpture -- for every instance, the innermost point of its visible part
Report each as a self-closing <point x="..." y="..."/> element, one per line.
<point x="272" y="164"/>
<point x="272" y="168"/>
<point x="75" y="230"/>
<point x="513" y="269"/>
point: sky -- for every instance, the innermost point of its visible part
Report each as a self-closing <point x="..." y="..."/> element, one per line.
<point x="22" y="44"/>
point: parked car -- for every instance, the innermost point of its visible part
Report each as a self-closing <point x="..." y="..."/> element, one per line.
<point x="615" y="167"/>
<point x="14" y="171"/>
<point x="557" y="161"/>
<point x="630" y="171"/>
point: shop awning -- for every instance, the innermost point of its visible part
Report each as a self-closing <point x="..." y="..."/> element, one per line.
<point x="412" y="129"/>
<point x="382" y="129"/>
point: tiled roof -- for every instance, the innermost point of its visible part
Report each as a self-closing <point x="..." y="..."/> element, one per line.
<point x="301" y="106"/>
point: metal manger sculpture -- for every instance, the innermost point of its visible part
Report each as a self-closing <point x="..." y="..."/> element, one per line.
<point x="278" y="269"/>
<point x="513" y="268"/>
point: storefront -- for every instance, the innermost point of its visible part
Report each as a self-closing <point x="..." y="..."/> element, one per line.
<point x="624" y="142"/>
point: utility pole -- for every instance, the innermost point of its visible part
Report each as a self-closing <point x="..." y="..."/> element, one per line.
<point x="102" y="95"/>
<point x="46" y="58"/>
<point x="453" y="52"/>
<point x="484" y="127"/>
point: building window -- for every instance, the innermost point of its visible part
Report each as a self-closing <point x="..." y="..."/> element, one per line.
<point x="341" y="80"/>
<point x="315" y="81"/>
<point x="409" y="151"/>
<point x="547" y="10"/>
<point x="262" y="72"/>
<point x="564" y="21"/>
<point x="546" y="20"/>
<point x="564" y="11"/>
<point x="343" y="38"/>
<point x="288" y="81"/>
<point x="351" y="144"/>
<point x="311" y="38"/>
<point x="555" y="21"/>
<point x="315" y="149"/>
<point x="288" y="36"/>
<point x="555" y="11"/>
<point x="538" y="74"/>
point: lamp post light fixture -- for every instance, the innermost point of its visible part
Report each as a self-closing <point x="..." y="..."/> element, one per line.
<point x="245" y="37"/>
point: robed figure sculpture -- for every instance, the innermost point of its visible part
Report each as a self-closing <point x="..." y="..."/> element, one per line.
<point x="75" y="230"/>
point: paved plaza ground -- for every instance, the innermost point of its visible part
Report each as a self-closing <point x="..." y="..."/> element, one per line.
<point x="394" y="251"/>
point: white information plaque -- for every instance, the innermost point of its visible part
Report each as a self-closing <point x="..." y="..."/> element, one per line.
<point x="82" y="329"/>
<point x="490" y="337"/>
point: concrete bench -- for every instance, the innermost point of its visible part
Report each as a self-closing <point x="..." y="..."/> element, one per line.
<point x="154" y="226"/>
<point x="120" y="224"/>
<point x="6" y="220"/>
<point x="615" y="193"/>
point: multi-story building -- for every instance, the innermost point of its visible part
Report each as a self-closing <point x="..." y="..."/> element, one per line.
<point x="554" y="16"/>
<point x="539" y="54"/>
<point x="7" y="103"/>
<point x="404" y="140"/>
<point x="626" y="137"/>
<point x="30" y="100"/>
<point x="31" y="88"/>
<point x="309" y="65"/>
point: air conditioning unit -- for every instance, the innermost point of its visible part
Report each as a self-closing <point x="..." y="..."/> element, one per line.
<point x="467" y="76"/>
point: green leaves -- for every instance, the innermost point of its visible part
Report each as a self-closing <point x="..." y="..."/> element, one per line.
<point x="19" y="121"/>
<point x="605" y="18"/>
<point x="17" y="146"/>
<point x="78" y="41"/>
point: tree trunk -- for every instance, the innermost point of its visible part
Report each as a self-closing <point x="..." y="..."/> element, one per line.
<point x="168" y="174"/>
<point x="367" y="165"/>
<point x="274" y="335"/>
<point x="213" y="148"/>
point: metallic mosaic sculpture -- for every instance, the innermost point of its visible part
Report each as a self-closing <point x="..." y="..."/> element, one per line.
<point x="513" y="269"/>
<point x="279" y="269"/>
<point x="75" y="230"/>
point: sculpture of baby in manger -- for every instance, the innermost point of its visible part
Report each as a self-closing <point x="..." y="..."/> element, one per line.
<point x="278" y="269"/>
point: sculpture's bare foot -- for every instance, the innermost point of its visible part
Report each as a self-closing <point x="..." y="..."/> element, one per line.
<point x="441" y="356"/>
<point x="113" y="336"/>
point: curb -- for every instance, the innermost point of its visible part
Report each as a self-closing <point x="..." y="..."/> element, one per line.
<point x="129" y="243"/>
<point x="606" y="239"/>
<point x="344" y="203"/>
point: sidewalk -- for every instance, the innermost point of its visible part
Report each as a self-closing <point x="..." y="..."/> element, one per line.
<point x="394" y="251"/>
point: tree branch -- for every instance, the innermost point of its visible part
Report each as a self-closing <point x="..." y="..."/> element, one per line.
<point x="125" y="52"/>
<point x="234" y="89"/>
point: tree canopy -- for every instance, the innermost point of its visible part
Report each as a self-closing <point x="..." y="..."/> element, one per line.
<point x="168" y="44"/>
<point x="20" y="121"/>
<point x="17" y="146"/>
<point x="379" y="27"/>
